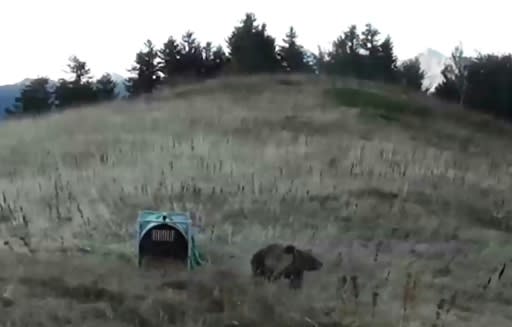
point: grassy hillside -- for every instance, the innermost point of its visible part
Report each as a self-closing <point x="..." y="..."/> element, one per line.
<point x="408" y="195"/>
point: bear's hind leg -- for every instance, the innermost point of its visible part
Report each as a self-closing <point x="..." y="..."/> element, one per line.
<point x="295" y="281"/>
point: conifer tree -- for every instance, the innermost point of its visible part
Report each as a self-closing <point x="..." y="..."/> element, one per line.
<point x="411" y="74"/>
<point x="34" y="99"/>
<point x="146" y="70"/>
<point x="105" y="88"/>
<point x="369" y="42"/>
<point x="345" y="57"/>
<point x="169" y="56"/>
<point x="79" y="90"/>
<point x="191" y="60"/>
<point x="387" y="62"/>
<point x="251" y="48"/>
<point x="292" y="55"/>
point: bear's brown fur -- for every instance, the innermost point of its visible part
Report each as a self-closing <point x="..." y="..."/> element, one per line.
<point x="277" y="260"/>
<point x="269" y="261"/>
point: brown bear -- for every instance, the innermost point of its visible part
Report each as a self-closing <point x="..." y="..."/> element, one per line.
<point x="270" y="260"/>
<point x="276" y="260"/>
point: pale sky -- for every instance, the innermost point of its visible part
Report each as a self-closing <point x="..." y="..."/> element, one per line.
<point x="38" y="36"/>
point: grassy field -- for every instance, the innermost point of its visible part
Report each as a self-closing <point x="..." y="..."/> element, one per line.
<point x="405" y="200"/>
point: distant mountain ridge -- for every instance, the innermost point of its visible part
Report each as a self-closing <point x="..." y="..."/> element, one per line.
<point x="9" y="92"/>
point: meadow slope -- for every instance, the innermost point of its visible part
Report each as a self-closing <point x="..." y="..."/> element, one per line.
<point x="405" y="200"/>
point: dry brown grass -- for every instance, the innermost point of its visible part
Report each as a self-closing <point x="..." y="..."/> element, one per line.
<point x="411" y="218"/>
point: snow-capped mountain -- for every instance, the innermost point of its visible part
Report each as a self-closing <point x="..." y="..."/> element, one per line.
<point x="432" y="63"/>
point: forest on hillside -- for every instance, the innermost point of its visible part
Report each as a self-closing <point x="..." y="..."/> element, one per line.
<point x="482" y="83"/>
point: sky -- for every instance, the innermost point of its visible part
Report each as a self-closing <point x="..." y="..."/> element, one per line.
<point x="38" y="36"/>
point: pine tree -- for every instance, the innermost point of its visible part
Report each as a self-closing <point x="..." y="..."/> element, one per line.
<point x="219" y="56"/>
<point x="191" y="60"/>
<point x="369" y="40"/>
<point x="344" y="58"/>
<point x="81" y="73"/>
<point x="320" y="62"/>
<point x="386" y="62"/>
<point x="252" y="49"/>
<point x="338" y="61"/>
<point x="458" y="71"/>
<point x="411" y="74"/>
<point x="489" y="84"/>
<point x="146" y="69"/>
<point x="79" y="90"/>
<point x="353" y="41"/>
<point x="169" y="56"/>
<point x="292" y="55"/>
<point x="105" y="88"/>
<point x="370" y="45"/>
<point x="64" y="94"/>
<point x="214" y="60"/>
<point x="82" y="83"/>
<point x="34" y="99"/>
<point x="447" y="89"/>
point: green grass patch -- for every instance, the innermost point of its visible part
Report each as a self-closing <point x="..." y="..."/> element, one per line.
<point x="376" y="104"/>
<point x="231" y="88"/>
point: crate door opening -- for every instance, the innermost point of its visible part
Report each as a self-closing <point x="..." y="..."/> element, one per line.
<point x="164" y="242"/>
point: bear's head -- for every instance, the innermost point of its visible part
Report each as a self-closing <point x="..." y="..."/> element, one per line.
<point x="303" y="259"/>
<point x="309" y="261"/>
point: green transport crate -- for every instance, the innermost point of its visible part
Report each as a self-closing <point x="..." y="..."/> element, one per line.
<point x="167" y="235"/>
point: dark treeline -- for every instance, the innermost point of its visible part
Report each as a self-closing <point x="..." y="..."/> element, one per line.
<point x="483" y="83"/>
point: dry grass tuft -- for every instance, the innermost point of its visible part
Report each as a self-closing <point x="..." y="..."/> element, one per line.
<point x="407" y="214"/>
